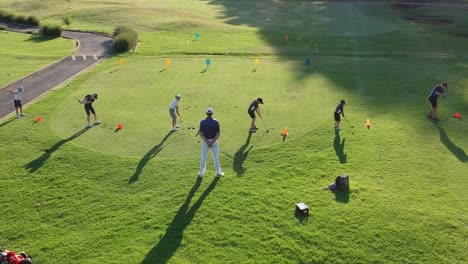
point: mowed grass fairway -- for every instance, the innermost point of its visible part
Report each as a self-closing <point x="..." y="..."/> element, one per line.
<point x="132" y="196"/>
<point x="29" y="54"/>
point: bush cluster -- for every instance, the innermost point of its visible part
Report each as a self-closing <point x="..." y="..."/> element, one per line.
<point x="125" y="39"/>
<point x="6" y="16"/>
<point x="51" y="31"/>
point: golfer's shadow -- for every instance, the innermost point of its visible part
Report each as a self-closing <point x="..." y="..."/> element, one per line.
<point x="205" y="70"/>
<point x="171" y="241"/>
<point x="456" y="151"/>
<point x="147" y="157"/>
<point x="39" y="162"/>
<point x="339" y="145"/>
<point x="240" y="156"/>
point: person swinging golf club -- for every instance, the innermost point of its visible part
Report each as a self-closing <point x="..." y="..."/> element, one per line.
<point x="339" y="111"/>
<point x="436" y="91"/>
<point x="173" y="109"/>
<point x="209" y="133"/>
<point x="17" y="101"/>
<point x="254" y="107"/>
<point x="88" y="106"/>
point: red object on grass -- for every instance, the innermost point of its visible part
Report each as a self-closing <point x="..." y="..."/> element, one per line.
<point x="457" y="115"/>
<point x="119" y="126"/>
<point x="38" y="119"/>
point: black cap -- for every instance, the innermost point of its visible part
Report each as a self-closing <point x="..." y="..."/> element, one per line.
<point x="343" y="101"/>
<point x="444" y="84"/>
<point x="260" y="100"/>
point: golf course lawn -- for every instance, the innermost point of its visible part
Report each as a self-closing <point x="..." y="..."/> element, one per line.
<point x="30" y="53"/>
<point x="103" y="195"/>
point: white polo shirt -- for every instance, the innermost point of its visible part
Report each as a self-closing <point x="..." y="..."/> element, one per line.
<point x="174" y="104"/>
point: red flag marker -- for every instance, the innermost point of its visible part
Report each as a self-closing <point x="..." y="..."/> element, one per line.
<point x="119" y="126"/>
<point x="38" y="119"/>
<point x="457" y="115"/>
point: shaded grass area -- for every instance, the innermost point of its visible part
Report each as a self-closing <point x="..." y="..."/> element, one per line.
<point x="30" y="53"/>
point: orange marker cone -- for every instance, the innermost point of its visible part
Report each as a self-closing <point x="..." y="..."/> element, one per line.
<point x="38" y="119"/>
<point x="368" y="123"/>
<point x="285" y="132"/>
<point x="119" y="126"/>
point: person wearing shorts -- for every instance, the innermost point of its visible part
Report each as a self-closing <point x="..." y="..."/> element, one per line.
<point x="173" y="109"/>
<point x="88" y="107"/>
<point x="339" y="111"/>
<point x="17" y="101"/>
<point x="254" y="107"/>
<point x="436" y="91"/>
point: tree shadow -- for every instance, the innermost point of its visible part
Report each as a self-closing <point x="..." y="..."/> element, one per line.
<point x="339" y="145"/>
<point x="147" y="157"/>
<point x="39" y="39"/>
<point x="240" y="156"/>
<point x="456" y="151"/>
<point x="172" y="239"/>
<point x="39" y="162"/>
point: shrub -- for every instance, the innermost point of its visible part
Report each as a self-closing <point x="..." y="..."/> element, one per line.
<point x="119" y="30"/>
<point x="33" y="21"/>
<point x="125" y="39"/>
<point x="51" y="31"/>
<point x="7" y="16"/>
<point x="21" y="20"/>
<point x="3" y="27"/>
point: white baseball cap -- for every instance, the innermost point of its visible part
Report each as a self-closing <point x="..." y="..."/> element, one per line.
<point x="209" y="110"/>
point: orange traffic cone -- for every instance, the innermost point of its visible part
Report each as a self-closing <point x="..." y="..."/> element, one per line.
<point x="285" y="132"/>
<point x="119" y="126"/>
<point x="368" y="123"/>
<point x="38" y="119"/>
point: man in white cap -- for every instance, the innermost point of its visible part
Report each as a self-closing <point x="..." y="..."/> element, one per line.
<point x="209" y="133"/>
<point x="88" y="106"/>
<point x="17" y="101"/>
<point x="173" y="109"/>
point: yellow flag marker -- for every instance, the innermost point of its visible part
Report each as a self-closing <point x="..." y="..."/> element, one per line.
<point x="167" y="62"/>
<point x="121" y="61"/>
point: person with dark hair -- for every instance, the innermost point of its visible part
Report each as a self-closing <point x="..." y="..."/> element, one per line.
<point x="436" y="91"/>
<point x="17" y="101"/>
<point x="254" y="107"/>
<point x="173" y="109"/>
<point x="209" y="133"/>
<point x="88" y="106"/>
<point x="339" y="110"/>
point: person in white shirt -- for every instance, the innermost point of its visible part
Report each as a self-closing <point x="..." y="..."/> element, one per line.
<point x="17" y="101"/>
<point x="173" y="109"/>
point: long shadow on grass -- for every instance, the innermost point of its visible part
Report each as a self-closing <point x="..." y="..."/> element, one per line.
<point x="147" y="157"/>
<point x="456" y="151"/>
<point x="7" y="122"/>
<point x="338" y="145"/>
<point x="39" y="162"/>
<point x="171" y="240"/>
<point x="240" y="156"/>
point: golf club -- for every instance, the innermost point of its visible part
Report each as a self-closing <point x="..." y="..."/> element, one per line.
<point x="348" y="122"/>
<point x="71" y="92"/>
<point x="267" y="130"/>
<point x="4" y="76"/>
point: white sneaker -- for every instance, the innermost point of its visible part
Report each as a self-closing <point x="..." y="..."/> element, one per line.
<point x="97" y="122"/>
<point x="175" y="129"/>
<point x="177" y="125"/>
<point x="90" y="125"/>
<point x="219" y="175"/>
<point x="22" y="114"/>
<point x="18" y="117"/>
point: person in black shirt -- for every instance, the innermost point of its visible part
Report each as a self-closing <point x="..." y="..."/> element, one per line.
<point x="436" y="91"/>
<point x="254" y="107"/>
<point x="88" y="106"/>
<point x="339" y="110"/>
<point x="209" y="133"/>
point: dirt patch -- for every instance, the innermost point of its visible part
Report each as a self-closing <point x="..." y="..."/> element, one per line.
<point x="430" y="20"/>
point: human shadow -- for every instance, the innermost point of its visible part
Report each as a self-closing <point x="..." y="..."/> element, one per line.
<point x="171" y="241"/>
<point x="240" y="156"/>
<point x="7" y="122"/>
<point x="339" y="145"/>
<point x="39" y="162"/>
<point x="456" y="151"/>
<point x="147" y="157"/>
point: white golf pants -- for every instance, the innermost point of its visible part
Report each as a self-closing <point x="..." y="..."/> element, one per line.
<point x="204" y="153"/>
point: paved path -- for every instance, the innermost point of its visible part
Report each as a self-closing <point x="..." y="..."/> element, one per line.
<point x="92" y="48"/>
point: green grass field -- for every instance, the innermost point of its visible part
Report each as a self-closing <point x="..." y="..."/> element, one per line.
<point x="28" y="54"/>
<point x="132" y="196"/>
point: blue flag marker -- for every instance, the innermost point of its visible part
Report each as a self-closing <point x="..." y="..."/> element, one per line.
<point x="197" y="35"/>
<point x="208" y="63"/>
